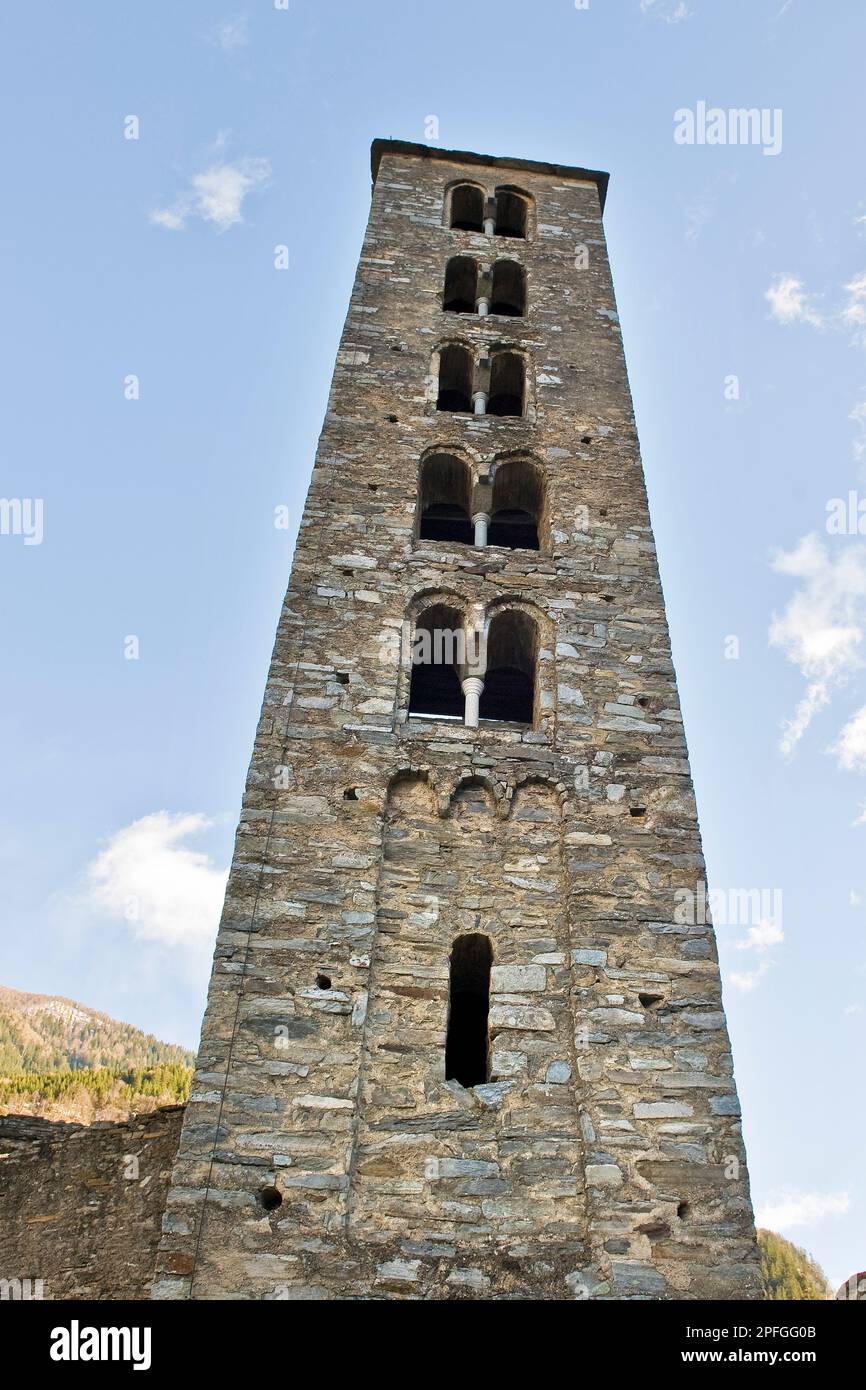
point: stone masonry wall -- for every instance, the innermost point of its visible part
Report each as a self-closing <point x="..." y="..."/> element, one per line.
<point x="81" y="1205"/>
<point x="323" y="1153"/>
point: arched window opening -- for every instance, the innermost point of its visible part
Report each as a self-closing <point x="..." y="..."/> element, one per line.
<point x="461" y="283"/>
<point x="467" y="1044"/>
<point x="512" y="213"/>
<point x="508" y="289"/>
<point x="444" y="501"/>
<point x="467" y="208"/>
<point x="507" y="384"/>
<point x="509" y="683"/>
<point x="517" y="506"/>
<point x="455" y="379"/>
<point x="435" y="691"/>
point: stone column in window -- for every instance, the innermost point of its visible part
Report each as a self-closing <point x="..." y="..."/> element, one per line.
<point x="472" y="689"/>
<point x="481" y="394"/>
<point x="482" y="293"/>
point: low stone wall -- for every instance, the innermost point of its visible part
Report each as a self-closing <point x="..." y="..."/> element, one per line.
<point x="81" y="1205"/>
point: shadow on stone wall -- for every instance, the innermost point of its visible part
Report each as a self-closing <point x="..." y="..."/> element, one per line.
<point x="81" y="1206"/>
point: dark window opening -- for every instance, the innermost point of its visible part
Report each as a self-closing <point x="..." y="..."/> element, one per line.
<point x="650" y="1001"/>
<point x="508" y="696"/>
<point x="455" y="379"/>
<point x="517" y="506"/>
<point x="467" y="208"/>
<point x="445" y="521"/>
<point x="508" y="290"/>
<point x="506" y="384"/>
<point x="461" y="282"/>
<point x="509" y="683"/>
<point x="513" y="528"/>
<point x="467" y="1045"/>
<point x="435" y="689"/>
<point x="511" y="213"/>
<point x="445" y="500"/>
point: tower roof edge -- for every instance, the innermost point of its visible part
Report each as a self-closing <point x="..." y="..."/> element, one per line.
<point x="380" y="147"/>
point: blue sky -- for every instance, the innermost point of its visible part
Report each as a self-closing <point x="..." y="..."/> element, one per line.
<point x="154" y="258"/>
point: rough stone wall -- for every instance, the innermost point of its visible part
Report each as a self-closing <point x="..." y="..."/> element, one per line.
<point x="81" y="1205"/>
<point x="604" y="1158"/>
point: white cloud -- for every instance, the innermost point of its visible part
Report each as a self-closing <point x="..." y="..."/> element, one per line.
<point x="800" y="1209"/>
<point x="767" y="933"/>
<point x="670" y="11"/>
<point x="789" y="302"/>
<point x="853" y="1009"/>
<point x="761" y="938"/>
<point x="854" y="311"/>
<point x="173" y="219"/>
<point x="215" y="195"/>
<point x="230" y="34"/>
<point x="747" y="980"/>
<point x="850" y="748"/>
<point x="861" y="819"/>
<point x="697" y="216"/>
<point x="149" y="878"/>
<point x="854" y="898"/>
<point x="858" y="415"/>
<point x="821" y="629"/>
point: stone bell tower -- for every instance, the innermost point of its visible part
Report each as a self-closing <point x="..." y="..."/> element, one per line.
<point x="461" y="1039"/>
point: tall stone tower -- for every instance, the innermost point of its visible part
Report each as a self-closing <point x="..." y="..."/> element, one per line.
<point x="462" y="1041"/>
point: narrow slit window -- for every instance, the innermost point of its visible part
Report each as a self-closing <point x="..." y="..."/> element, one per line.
<point x="467" y="1045"/>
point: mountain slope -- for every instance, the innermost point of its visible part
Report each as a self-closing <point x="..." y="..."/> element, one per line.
<point x="46" y="1033"/>
<point x="787" y="1272"/>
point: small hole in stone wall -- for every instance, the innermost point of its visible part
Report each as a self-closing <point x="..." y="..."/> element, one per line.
<point x="392" y="419"/>
<point x="608" y="598"/>
<point x="587" y="439"/>
<point x="637" y="810"/>
<point x="343" y="677"/>
<point x="684" y="1211"/>
<point x="348" y="572"/>
<point x="271" y="1198"/>
<point x="650" y="1001"/>
<point x="602" y="511"/>
<point x="323" y="982"/>
<point x="350" y="794"/>
<point x="643" y="701"/>
<point x="374" y="487"/>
